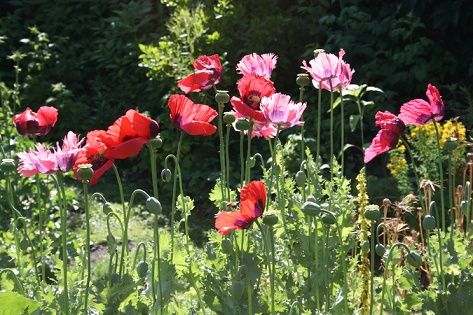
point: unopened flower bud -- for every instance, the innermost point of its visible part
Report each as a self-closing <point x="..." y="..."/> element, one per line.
<point x="227" y="247"/>
<point x="310" y="208"/>
<point x="372" y="212"/>
<point x="229" y="118"/>
<point x="153" y="205"/>
<point x="156" y="143"/>
<point x="302" y="79"/>
<point x="222" y="97"/>
<point x="451" y="144"/>
<point x="251" y="162"/>
<point x="7" y="165"/>
<point x="142" y="269"/>
<point x="107" y="208"/>
<point x="380" y="249"/>
<point x="242" y="124"/>
<point x="414" y="259"/>
<point x="300" y="178"/>
<point x="328" y="219"/>
<point x="166" y="175"/>
<point x="85" y="172"/>
<point x="270" y="218"/>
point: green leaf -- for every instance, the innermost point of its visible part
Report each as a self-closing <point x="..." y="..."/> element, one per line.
<point x="14" y="303"/>
<point x="353" y="121"/>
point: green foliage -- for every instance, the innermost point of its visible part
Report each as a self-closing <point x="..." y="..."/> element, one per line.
<point x="14" y="303"/>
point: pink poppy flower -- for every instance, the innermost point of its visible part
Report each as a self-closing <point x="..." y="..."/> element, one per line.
<point x="418" y="111"/>
<point x="208" y="72"/>
<point x="329" y="72"/>
<point x="29" y="123"/>
<point x="67" y="154"/>
<point x="280" y="110"/>
<point x="252" y="89"/>
<point x="255" y="64"/>
<point x="391" y="129"/>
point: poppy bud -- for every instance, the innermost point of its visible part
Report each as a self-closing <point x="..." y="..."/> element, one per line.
<point x="251" y="162"/>
<point x="380" y="250"/>
<point x="229" y="118"/>
<point x="311" y="199"/>
<point x="153" y="205"/>
<point x="429" y="222"/>
<point x="7" y="165"/>
<point x="227" y="247"/>
<point x="300" y="178"/>
<point x="270" y="218"/>
<point x="328" y="219"/>
<point x="302" y="79"/>
<point x="365" y="246"/>
<point x="222" y="97"/>
<point x="310" y="208"/>
<point x="156" y="143"/>
<point x="372" y="212"/>
<point x="24" y="244"/>
<point x="237" y="289"/>
<point x="242" y="124"/>
<point x="318" y="51"/>
<point x="85" y="172"/>
<point x="142" y="269"/>
<point x="414" y="259"/>
<point x="107" y="208"/>
<point x="451" y="144"/>
<point x="166" y="175"/>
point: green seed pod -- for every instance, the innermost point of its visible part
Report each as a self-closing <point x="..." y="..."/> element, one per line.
<point x="111" y="244"/>
<point x="142" y="269"/>
<point x="7" y="165"/>
<point x="166" y="175"/>
<point x="380" y="249"/>
<point x="229" y="118"/>
<point x="372" y="212"/>
<point x="310" y="208"/>
<point x="238" y="287"/>
<point x="153" y="205"/>
<point x="242" y="124"/>
<point x="251" y="162"/>
<point x="327" y="219"/>
<point x="24" y="244"/>
<point x="227" y="246"/>
<point x="365" y="246"/>
<point x="85" y="171"/>
<point x="156" y="143"/>
<point x="414" y="259"/>
<point x="300" y="178"/>
<point x="303" y="79"/>
<point x="107" y="208"/>
<point x="270" y="218"/>
<point x="429" y="222"/>
<point x="451" y="144"/>
<point x="222" y="97"/>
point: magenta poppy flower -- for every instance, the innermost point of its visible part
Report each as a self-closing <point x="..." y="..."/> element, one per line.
<point x="418" y="111"/>
<point x="255" y="64"/>
<point x="329" y="72"/>
<point x="46" y="161"/>
<point x="252" y="89"/>
<point x="391" y="129"/>
<point x="29" y="123"/>
<point x="280" y="110"/>
<point x="208" y="72"/>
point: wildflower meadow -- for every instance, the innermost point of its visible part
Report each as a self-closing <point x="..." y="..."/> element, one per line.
<point x="107" y="221"/>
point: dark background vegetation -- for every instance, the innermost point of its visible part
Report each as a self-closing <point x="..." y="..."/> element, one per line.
<point x="94" y="72"/>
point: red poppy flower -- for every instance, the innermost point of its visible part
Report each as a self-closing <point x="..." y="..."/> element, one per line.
<point x="391" y="129"/>
<point x="97" y="142"/>
<point x="29" y="123"/>
<point x="194" y="119"/>
<point x="252" y="89"/>
<point x="128" y="134"/>
<point x="418" y="111"/>
<point x="208" y="73"/>
<point x="252" y="204"/>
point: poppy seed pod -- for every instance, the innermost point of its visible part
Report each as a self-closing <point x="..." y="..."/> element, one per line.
<point x="372" y="212"/>
<point x="156" y="143"/>
<point x="85" y="172"/>
<point x="451" y="144"/>
<point x="310" y="208"/>
<point x="229" y="118"/>
<point x="242" y="124"/>
<point x="142" y="269"/>
<point x="303" y="79"/>
<point x="300" y="178"/>
<point x="328" y="219"/>
<point x="166" y="175"/>
<point x="107" y="208"/>
<point x="270" y="219"/>
<point x="222" y="97"/>
<point x="153" y="205"/>
<point x="227" y="247"/>
<point x="414" y="259"/>
<point x="380" y="250"/>
<point x="429" y="222"/>
<point x="7" y="165"/>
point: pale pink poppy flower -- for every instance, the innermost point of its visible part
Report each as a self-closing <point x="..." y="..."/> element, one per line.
<point x="279" y="109"/>
<point x="329" y="72"/>
<point x="419" y="112"/>
<point x="260" y="65"/>
<point x="66" y="154"/>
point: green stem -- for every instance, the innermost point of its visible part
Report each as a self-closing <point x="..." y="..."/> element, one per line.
<point x="319" y="121"/>
<point x="373" y="240"/>
<point x="331" y="131"/>
<point x="439" y="161"/>
<point x="125" y="221"/>
<point x="248" y="155"/>
<point x="361" y="112"/>
<point x="227" y="160"/>
<point x="223" y="183"/>
<point x="273" y="266"/>
<point x="41" y="227"/>
<point x="273" y="163"/>
<point x="242" y="159"/>
<point x="174" y="188"/>
<point x="416" y="171"/>
<point x="342" y="131"/>
<point x="301" y="96"/>
<point x="15" y="218"/>
<point x="87" y="243"/>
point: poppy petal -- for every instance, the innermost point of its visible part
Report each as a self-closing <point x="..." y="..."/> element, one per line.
<point x="47" y="116"/>
<point x="196" y="82"/>
<point x="253" y="200"/>
<point x="126" y="149"/>
<point x="246" y="110"/>
<point x="229" y="221"/>
<point x="384" y="141"/>
<point x="415" y="112"/>
<point x="199" y="128"/>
